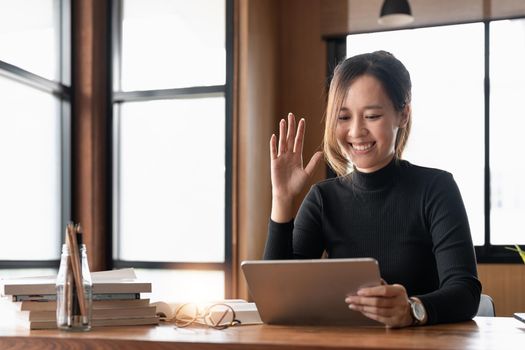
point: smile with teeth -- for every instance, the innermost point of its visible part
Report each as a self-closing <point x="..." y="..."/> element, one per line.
<point x="362" y="146"/>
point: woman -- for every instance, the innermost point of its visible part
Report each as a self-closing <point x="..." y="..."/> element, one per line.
<point x="410" y="218"/>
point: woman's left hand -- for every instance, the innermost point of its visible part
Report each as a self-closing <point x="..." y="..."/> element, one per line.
<point x="387" y="304"/>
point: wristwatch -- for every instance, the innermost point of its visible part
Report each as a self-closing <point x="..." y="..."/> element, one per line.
<point x="417" y="310"/>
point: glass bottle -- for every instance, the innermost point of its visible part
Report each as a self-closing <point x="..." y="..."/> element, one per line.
<point x="72" y="313"/>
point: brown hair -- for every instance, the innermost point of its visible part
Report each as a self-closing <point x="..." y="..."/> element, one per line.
<point x="395" y="79"/>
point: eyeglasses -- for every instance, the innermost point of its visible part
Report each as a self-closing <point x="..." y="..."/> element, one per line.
<point x="217" y="316"/>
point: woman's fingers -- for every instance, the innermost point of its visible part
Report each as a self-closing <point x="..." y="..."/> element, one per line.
<point x="387" y="290"/>
<point x="396" y="315"/>
<point x="384" y="320"/>
<point x="391" y="321"/>
<point x="290" y="135"/>
<point x="292" y="139"/>
<point x="371" y="301"/>
<point x="381" y="311"/>
<point x="273" y="147"/>
<point x="384" y="296"/>
<point x="282" y="137"/>
<point x="287" y="135"/>
<point x="387" y="304"/>
<point x="299" y="137"/>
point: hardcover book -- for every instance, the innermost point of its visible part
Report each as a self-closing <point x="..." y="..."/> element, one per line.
<point x="105" y="282"/>
<point x="97" y="304"/>
<point x="96" y="314"/>
<point x="97" y="323"/>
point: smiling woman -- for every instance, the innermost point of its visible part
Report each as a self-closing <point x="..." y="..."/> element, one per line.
<point x="409" y="218"/>
<point x="367" y="125"/>
<point x="376" y="100"/>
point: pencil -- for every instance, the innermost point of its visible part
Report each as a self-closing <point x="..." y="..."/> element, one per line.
<point x="77" y="268"/>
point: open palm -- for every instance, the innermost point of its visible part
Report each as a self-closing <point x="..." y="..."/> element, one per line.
<point x="287" y="172"/>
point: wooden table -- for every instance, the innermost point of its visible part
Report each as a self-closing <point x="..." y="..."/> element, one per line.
<point x="482" y="333"/>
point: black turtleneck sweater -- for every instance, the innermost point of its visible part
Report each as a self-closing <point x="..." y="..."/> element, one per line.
<point x="410" y="218"/>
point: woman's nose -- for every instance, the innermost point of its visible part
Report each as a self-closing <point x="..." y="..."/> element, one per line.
<point x="357" y="128"/>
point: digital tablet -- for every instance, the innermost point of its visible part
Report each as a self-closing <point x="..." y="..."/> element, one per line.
<point x="309" y="292"/>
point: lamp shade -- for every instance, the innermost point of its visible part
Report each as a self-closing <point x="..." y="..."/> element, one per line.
<point x="395" y="12"/>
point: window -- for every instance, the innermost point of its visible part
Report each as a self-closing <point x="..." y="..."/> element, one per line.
<point x="34" y="129"/>
<point x="171" y="126"/>
<point x="507" y="88"/>
<point x="453" y="127"/>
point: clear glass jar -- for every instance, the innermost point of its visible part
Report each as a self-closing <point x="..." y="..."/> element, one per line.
<point x="73" y="312"/>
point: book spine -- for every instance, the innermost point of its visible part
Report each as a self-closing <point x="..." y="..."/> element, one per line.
<point x="53" y="297"/>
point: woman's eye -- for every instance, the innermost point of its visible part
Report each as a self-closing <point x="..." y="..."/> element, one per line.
<point x="343" y="117"/>
<point x="375" y="116"/>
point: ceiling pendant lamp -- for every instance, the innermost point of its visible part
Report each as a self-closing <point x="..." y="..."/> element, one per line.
<point x="395" y="13"/>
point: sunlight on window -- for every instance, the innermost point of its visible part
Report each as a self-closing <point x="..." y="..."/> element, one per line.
<point x="30" y="203"/>
<point x="183" y="285"/>
<point x="29" y="35"/>
<point x="169" y="44"/>
<point x="507" y="57"/>
<point x="172" y="180"/>
<point x="446" y="67"/>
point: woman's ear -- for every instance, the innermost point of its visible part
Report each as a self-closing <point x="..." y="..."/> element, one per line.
<point x="405" y="116"/>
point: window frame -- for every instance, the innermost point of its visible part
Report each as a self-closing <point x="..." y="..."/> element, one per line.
<point x="63" y="91"/>
<point x="487" y="253"/>
<point x="118" y="97"/>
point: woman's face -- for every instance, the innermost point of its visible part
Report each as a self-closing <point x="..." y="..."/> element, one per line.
<point x="367" y="125"/>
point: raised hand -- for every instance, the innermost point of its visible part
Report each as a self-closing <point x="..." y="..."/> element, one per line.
<point x="287" y="172"/>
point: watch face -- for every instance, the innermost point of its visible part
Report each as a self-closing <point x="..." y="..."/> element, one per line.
<point x="418" y="310"/>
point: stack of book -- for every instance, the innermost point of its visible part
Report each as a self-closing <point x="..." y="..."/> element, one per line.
<point x="116" y="300"/>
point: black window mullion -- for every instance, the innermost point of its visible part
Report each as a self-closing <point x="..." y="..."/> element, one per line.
<point x="116" y="16"/>
<point x="169" y="265"/>
<point x="161" y="94"/>
<point x="336" y="52"/>
<point x="64" y="63"/>
<point x="36" y="81"/>
<point x="486" y="89"/>
<point x="29" y="264"/>
<point x="489" y="253"/>
<point x="228" y="161"/>
<point x="65" y="110"/>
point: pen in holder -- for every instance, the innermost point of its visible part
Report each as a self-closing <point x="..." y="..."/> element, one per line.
<point x="73" y="285"/>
